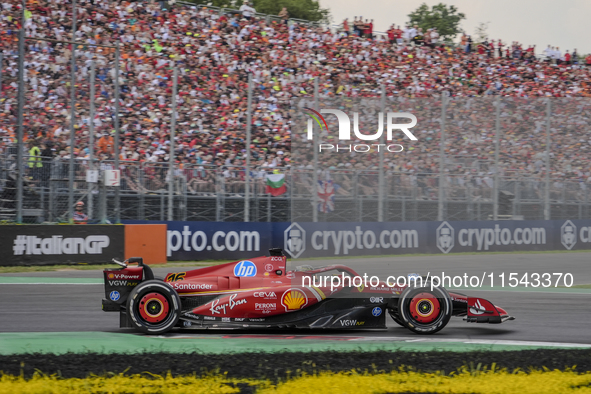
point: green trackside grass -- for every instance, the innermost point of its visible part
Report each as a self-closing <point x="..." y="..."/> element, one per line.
<point x="205" y="263"/>
<point x="588" y="286"/>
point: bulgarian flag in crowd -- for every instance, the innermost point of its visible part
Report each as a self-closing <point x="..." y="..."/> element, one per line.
<point x="276" y="184"/>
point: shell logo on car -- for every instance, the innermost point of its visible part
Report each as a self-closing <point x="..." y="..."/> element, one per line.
<point x="294" y="299"/>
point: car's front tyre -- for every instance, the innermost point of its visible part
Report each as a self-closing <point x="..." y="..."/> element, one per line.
<point x="153" y="307"/>
<point x="424" y="310"/>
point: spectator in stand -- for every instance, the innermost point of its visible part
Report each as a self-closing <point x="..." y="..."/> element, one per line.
<point x="355" y="24"/>
<point x="390" y="33"/>
<point x="106" y="144"/>
<point x="464" y="42"/>
<point x="247" y="11"/>
<point x="434" y="37"/>
<point x="566" y="58"/>
<point x="557" y="55"/>
<point x="410" y="33"/>
<point x="481" y="47"/>
<point x="406" y="35"/>
<point x="491" y="49"/>
<point x="284" y="15"/>
<point x="346" y="26"/>
<point x="34" y="159"/>
<point x="79" y="217"/>
<point x="398" y="35"/>
<point x="365" y="29"/>
<point x="418" y="38"/>
<point x="427" y="38"/>
<point x="214" y="55"/>
<point x="548" y="53"/>
<point x="575" y="57"/>
<point x="46" y="159"/>
<point x="500" y="46"/>
<point x="370" y="29"/>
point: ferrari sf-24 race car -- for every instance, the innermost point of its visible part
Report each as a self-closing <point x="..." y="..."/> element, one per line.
<point x="259" y="293"/>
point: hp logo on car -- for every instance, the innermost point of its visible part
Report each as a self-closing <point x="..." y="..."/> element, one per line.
<point x="377" y="311"/>
<point x="245" y="269"/>
<point x="114" y="295"/>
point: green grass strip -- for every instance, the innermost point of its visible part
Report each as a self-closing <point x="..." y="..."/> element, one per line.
<point x="117" y="343"/>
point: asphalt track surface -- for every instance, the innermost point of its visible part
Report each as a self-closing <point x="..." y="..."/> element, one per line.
<point x="541" y="315"/>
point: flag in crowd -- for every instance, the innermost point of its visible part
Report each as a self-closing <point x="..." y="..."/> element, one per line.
<point x="326" y="191"/>
<point x="276" y="184"/>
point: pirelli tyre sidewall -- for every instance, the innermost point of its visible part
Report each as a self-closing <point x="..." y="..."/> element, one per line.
<point x="442" y="298"/>
<point x="162" y="293"/>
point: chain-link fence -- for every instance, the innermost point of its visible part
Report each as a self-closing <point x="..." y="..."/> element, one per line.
<point x="216" y="193"/>
<point x="474" y="159"/>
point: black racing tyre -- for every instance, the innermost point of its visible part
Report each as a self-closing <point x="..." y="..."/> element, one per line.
<point x="396" y="318"/>
<point x="425" y="311"/>
<point x="153" y="307"/>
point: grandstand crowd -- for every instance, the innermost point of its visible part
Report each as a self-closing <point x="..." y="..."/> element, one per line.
<point x="214" y="54"/>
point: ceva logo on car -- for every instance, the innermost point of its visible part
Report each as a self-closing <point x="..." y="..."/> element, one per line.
<point x="245" y="269"/>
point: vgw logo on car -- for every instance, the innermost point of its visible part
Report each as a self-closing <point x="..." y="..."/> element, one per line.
<point x="245" y="269"/>
<point x="345" y="131"/>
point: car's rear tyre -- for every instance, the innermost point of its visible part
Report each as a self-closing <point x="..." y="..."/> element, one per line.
<point x="153" y="307"/>
<point x="424" y="310"/>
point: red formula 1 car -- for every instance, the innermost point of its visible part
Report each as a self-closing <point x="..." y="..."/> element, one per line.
<point x="259" y="293"/>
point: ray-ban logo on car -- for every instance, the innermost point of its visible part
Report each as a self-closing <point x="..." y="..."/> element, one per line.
<point x="344" y="132"/>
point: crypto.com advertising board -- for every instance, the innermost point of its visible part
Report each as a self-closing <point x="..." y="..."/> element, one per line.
<point x="228" y="241"/>
<point x="389" y="238"/>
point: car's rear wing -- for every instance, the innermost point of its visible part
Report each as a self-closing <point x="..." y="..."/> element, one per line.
<point x="120" y="282"/>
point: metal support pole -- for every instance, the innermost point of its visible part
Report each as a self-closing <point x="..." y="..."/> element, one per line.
<point x="117" y="133"/>
<point x="381" y="161"/>
<point x="547" y="193"/>
<point x="72" y="118"/>
<point x="91" y="138"/>
<point x="20" y="133"/>
<point x="442" y="160"/>
<point x="103" y="202"/>
<point x="497" y="142"/>
<point x="141" y="183"/>
<point x="268" y="207"/>
<point x="1" y="63"/>
<point x="171" y="154"/>
<point x="315" y="145"/>
<point x="248" y="138"/>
